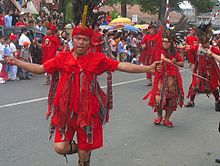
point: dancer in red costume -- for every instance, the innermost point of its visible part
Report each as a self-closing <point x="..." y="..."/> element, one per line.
<point x="77" y="104"/>
<point x="149" y="45"/>
<point x="167" y="92"/>
<point x="217" y="57"/>
<point x="50" y="46"/>
<point x="191" y="40"/>
<point x="97" y="39"/>
<point x="206" y="68"/>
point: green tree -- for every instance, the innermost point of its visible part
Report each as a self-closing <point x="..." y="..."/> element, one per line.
<point x="159" y="6"/>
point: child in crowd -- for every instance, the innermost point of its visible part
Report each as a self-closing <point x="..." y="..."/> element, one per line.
<point x="135" y="59"/>
<point x="24" y="55"/>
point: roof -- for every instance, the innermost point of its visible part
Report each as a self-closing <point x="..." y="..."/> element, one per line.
<point x="135" y="10"/>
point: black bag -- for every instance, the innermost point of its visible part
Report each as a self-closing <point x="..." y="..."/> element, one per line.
<point x="219" y="127"/>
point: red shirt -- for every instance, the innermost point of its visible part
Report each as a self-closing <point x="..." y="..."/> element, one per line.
<point x="94" y="63"/>
<point x="20" y="24"/>
<point x="83" y="71"/>
<point x="2" y="22"/>
<point x="108" y="18"/>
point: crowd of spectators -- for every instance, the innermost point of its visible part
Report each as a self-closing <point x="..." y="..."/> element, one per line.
<point x="24" y="46"/>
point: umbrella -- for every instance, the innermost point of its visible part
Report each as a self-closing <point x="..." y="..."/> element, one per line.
<point x="124" y="27"/>
<point x="141" y="26"/>
<point x="122" y="20"/>
<point x="116" y="27"/>
<point x="104" y="27"/>
<point x="216" y="32"/>
<point x="131" y="28"/>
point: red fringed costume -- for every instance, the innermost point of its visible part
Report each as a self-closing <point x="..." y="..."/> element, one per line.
<point x="152" y="46"/>
<point x="78" y="99"/>
<point x="206" y="67"/>
<point x="97" y="38"/>
<point x="162" y="88"/>
<point x="192" y="41"/>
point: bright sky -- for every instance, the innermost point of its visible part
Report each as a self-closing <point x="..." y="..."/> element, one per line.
<point x="185" y="5"/>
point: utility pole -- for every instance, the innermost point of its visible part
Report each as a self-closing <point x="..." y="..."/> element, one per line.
<point x="123" y="8"/>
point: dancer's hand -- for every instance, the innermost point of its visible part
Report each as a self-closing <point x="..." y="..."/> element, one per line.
<point x="9" y="60"/>
<point x="174" y="60"/>
<point x="163" y="58"/>
<point x="209" y="52"/>
<point x="156" y="65"/>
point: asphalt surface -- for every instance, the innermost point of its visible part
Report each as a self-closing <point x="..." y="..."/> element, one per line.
<point x="131" y="138"/>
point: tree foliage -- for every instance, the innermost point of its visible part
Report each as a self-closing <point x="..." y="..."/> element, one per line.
<point x="154" y="6"/>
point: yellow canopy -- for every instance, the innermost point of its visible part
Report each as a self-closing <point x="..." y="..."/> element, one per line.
<point x="119" y="21"/>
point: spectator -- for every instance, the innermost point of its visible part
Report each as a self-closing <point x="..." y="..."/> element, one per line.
<point x="24" y="55"/>
<point x="135" y="60"/>
<point x="31" y="23"/>
<point x="108" y="17"/>
<point x="121" y="50"/>
<point x="12" y="74"/>
<point x="15" y="17"/>
<point x="23" y="38"/>
<point x="39" y="25"/>
<point x="70" y="42"/>
<point x="113" y="46"/>
<point x="8" y="18"/>
<point x="3" y="75"/>
<point x="21" y="22"/>
<point x="44" y="27"/>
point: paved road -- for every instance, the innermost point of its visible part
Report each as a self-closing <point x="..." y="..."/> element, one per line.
<point x="131" y="139"/>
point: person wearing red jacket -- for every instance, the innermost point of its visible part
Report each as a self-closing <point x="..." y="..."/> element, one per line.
<point x="77" y="104"/>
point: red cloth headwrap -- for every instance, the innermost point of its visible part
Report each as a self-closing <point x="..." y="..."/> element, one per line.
<point x="52" y="27"/>
<point x="79" y="31"/>
<point x="13" y="37"/>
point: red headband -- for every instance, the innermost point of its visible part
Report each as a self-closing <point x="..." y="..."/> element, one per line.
<point x="79" y="31"/>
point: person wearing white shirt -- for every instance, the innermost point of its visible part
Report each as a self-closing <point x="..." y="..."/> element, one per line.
<point x="12" y="74"/>
<point x="2" y="47"/>
<point x="8" y="18"/>
<point x="23" y="38"/>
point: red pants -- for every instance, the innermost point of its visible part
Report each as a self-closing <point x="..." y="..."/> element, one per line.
<point x="82" y="137"/>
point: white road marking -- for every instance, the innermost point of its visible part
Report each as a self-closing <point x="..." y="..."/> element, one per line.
<point x="45" y="98"/>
